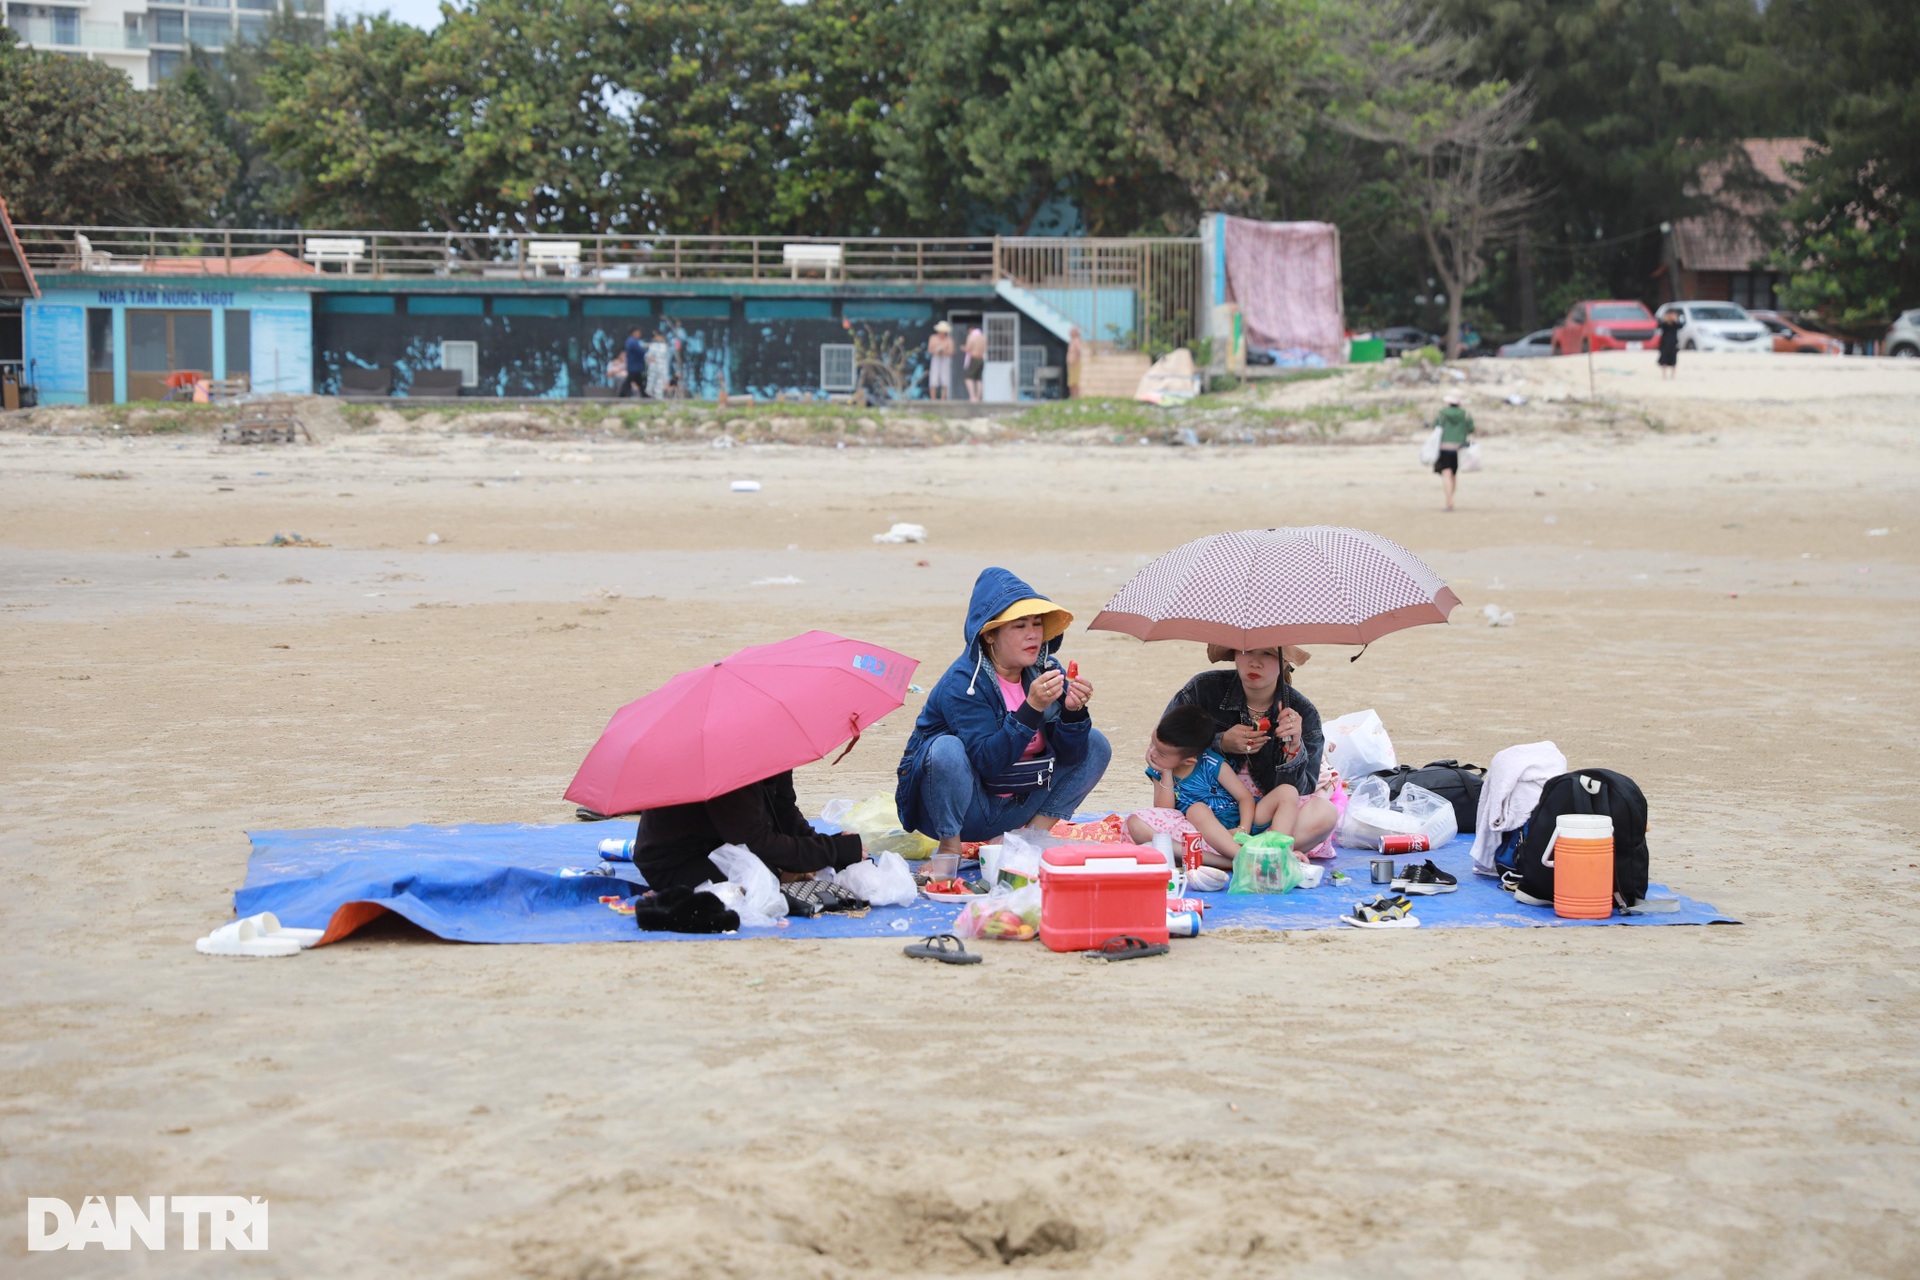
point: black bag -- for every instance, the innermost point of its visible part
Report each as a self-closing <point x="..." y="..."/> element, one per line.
<point x="1458" y="784"/>
<point x="1588" y="791"/>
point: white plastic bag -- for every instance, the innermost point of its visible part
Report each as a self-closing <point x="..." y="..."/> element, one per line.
<point x="1019" y="861"/>
<point x="1438" y="822"/>
<point x="1430" y="448"/>
<point x="877" y="822"/>
<point x="1370" y="817"/>
<point x="1357" y="745"/>
<point x="835" y="812"/>
<point x="1011" y="915"/>
<point x="760" y="901"/>
<point x="1470" y="456"/>
<point x="885" y="881"/>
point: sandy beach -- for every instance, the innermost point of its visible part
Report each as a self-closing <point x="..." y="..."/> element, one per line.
<point x="1715" y="587"/>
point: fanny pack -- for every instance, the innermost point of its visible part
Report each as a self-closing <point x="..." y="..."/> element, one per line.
<point x="1022" y="777"/>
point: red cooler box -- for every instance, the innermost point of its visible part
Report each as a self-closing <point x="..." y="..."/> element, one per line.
<point x="1092" y="892"/>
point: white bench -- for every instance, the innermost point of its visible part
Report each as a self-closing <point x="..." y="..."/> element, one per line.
<point x="345" y="252"/>
<point x="564" y="254"/>
<point x="826" y="257"/>
<point x="92" y="259"/>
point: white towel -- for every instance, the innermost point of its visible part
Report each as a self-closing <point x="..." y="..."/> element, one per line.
<point x="1515" y="778"/>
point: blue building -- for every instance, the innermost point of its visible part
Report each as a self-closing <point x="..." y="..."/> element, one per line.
<point x="122" y="310"/>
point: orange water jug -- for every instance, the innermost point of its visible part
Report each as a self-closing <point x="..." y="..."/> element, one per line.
<point x="1582" y="859"/>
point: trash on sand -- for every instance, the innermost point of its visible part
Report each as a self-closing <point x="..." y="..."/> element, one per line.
<point x="1497" y="617"/>
<point x="1878" y="533"/>
<point x="788" y="581"/>
<point x="723" y="442"/>
<point x="1187" y="436"/>
<point x="1516" y="400"/>
<point x="903" y="533"/>
<point x="433" y="539"/>
<point x="746" y="486"/>
<point x="1456" y="375"/>
<point x="293" y="540"/>
<point x="914" y="688"/>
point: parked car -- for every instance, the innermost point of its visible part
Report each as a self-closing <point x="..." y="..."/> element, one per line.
<point x="1718" y="326"/>
<point x="1607" y="325"/>
<point x="1405" y="338"/>
<point x="1789" y="336"/>
<point x="1537" y="343"/>
<point x="1904" y="338"/>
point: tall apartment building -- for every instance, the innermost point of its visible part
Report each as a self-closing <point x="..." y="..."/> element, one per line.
<point x="147" y="39"/>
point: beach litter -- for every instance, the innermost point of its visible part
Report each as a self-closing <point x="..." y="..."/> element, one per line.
<point x="1878" y="533"/>
<point x="903" y="533"/>
<point x="746" y="486"/>
<point x="433" y="539"/>
<point x="1497" y="617"/>
<point x="293" y="540"/>
<point x="788" y="581"/>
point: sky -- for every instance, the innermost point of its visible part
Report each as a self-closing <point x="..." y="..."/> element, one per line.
<point x="421" y="13"/>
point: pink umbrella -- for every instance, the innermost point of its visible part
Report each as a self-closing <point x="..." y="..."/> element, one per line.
<point x="1316" y="584"/>
<point x="758" y="713"/>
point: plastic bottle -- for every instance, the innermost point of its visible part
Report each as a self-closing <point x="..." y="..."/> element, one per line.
<point x="1583" y="866"/>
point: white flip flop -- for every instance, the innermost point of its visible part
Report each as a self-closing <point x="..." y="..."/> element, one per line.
<point x="270" y="927"/>
<point x="1404" y="922"/>
<point x="244" y="938"/>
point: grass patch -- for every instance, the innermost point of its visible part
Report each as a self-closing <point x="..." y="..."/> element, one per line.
<point x="358" y="416"/>
<point x="1075" y="415"/>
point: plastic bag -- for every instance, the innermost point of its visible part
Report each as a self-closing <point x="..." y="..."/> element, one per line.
<point x="1357" y="745"/>
<point x="877" y="822"/>
<point x="1470" y="457"/>
<point x="1371" y="816"/>
<point x="1430" y="448"/>
<point x="759" y="900"/>
<point x="1009" y="915"/>
<point x="885" y="881"/>
<point x="834" y="812"/>
<point x="1265" y="864"/>
<point x="1019" y="861"/>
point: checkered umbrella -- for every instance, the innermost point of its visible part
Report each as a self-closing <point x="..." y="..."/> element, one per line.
<point x="1317" y="584"/>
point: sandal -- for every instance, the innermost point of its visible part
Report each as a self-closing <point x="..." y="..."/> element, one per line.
<point x="1383" y="913"/>
<point x="943" y="947"/>
<point x="1127" y="947"/>
<point x="1424" y="880"/>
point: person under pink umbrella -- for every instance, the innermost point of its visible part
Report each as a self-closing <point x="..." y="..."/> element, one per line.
<point x="674" y="841"/>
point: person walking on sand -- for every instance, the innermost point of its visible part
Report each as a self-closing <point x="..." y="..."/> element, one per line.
<point x="940" y="362"/>
<point x="1670" y="326"/>
<point x="976" y="365"/>
<point x="1456" y="425"/>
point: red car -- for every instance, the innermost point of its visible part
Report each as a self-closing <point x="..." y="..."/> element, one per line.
<point x="1788" y="336"/>
<point x="1612" y="325"/>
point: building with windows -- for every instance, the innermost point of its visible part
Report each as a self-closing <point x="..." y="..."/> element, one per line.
<point x="1722" y="255"/>
<point x="147" y="41"/>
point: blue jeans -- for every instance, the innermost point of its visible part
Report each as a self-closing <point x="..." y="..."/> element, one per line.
<point x="956" y="805"/>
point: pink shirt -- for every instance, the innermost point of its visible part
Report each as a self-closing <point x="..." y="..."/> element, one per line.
<point x="1015" y="695"/>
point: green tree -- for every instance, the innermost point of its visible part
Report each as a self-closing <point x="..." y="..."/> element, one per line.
<point x="1143" y="114"/>
<point x="1853" y="243"/>
<point x="79" y="145"/>
<point x="232" y="95"/>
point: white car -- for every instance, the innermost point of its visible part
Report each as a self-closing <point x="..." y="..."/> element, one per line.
<point x="1537" y="343"/>
<point x="1717" y="326"/>
<point x="1904" y="338"/>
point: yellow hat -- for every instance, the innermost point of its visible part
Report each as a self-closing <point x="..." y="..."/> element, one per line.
<point x="1057" y="619"/>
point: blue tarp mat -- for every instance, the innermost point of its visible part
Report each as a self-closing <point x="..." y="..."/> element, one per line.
<point x="502" y="883"/>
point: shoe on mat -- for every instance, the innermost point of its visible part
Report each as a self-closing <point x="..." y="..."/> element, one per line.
<point x="943" y="947"/>
<point x="1383" y="913"/>
<point x="1424" y="880"/>
<point x="1521" y="895"/>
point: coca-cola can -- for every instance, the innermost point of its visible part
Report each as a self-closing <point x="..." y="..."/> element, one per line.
<point x="1405" y="844"/>
<point x="1196" y="905"/>
<point x="1193" y="850"/>
<point x="1183" y="924"/>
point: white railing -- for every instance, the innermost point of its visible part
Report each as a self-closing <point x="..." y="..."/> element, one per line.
<point x="46" y="33"/>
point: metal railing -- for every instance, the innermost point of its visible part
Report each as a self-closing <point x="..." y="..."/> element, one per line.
<point x="49" y="33"/>
<point x="1163" y="275"/>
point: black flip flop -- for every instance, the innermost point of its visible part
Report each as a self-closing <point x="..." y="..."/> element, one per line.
<point x="1127" y="947"/>
<point x="943" y="947"/>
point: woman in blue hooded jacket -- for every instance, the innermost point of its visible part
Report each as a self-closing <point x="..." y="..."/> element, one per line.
<point x="1005" y="739"/>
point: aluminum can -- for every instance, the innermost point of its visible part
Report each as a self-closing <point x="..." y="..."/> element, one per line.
<point x="1183" y="924"/>
<point x="1192" y="847"/>
<point x="1417" y="843"/>
<point x="1196" y="905"/>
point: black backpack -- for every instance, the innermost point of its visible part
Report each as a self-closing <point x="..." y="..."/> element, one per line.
<point x="1456" y="783"/>
<point x="1588" y="791"/>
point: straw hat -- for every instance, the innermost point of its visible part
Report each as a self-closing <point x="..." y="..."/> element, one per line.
<point x="1296" y="656"/>
<point x="943" y="327"/>
<point x="1453" y="398"/>
<point x="1057" y="619"/>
